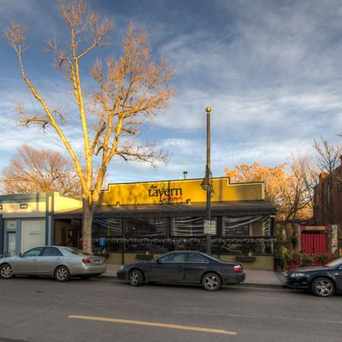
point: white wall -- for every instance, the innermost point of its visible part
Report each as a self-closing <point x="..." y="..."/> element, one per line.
<point x="32" y="234"/>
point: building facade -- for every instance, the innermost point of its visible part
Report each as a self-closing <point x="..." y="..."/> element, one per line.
<point x="156" y="217"/>
<point x="133" y="219"/>
<point x="327" y="206"/>
<point x="26" y="220"/>
<point x="328" y="198"/>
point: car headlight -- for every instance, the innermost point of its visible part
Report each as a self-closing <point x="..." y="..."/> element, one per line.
<point x="121" y="267"/>
<point x="298" y="275"/>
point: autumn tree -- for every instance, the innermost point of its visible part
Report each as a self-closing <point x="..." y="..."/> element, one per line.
<point x="40" y="170"/>
<point x="126" y="92"/>
<point x="285" y="186"/>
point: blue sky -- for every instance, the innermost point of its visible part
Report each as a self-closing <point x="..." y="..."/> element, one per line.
<point x="271" y="70"/>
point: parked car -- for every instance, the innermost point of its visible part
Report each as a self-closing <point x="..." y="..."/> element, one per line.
<point x="323" y="281"/>
<point x="184" y="267"/>
<point x="58" y="262"/>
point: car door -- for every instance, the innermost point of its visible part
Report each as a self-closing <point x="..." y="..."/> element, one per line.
<point x="195" y="265"/>
<point x="168" y="268"/>
<point x="27" y="263"/>
<point x="49" y="259"/>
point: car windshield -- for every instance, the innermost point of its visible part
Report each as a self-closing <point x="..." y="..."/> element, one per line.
<point x="335" y="263"/>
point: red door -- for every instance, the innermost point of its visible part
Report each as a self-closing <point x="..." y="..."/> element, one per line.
<point x="314" y="242"/>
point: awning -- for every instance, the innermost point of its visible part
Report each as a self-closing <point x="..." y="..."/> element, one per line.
<point x="232" y="209"/>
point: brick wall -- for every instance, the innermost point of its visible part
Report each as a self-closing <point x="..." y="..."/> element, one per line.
<point x="328" y="198"/>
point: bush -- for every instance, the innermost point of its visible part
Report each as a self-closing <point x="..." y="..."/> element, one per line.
<point x="321" y="259"/>
<point x="294" y="241"/>
<point x="306" y="260"/>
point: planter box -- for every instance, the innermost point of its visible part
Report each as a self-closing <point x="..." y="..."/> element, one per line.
<point x="241" y="258"/>
<point x="144" y="257"/>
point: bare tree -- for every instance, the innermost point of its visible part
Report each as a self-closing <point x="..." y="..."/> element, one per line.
<point x="328" y="158"/>
<point x="328" y="155"/>
<point x="129" y="90"/>
<point x="45" y="170"/>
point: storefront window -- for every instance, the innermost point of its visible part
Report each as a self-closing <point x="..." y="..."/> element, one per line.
<point x="187" y="227"/>
<point x="105" y="231"/>
<point x="106" y="227"/>
<point x="146" y="227"/>
<point x="254" y="226"/>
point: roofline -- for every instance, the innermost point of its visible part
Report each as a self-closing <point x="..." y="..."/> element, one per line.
<point x="183" y="181"/>
<point x="24" y="197"/>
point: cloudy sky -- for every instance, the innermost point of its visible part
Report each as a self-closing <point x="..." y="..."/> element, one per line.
<point x="271" y="70"/>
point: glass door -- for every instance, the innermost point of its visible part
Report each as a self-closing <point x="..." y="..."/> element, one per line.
<point x="11" y="243"/>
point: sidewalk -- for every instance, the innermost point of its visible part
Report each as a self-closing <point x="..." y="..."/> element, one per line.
<point x="253" y="277"/>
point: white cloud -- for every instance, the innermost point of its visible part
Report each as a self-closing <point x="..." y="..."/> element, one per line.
<point x="272" y="75"/>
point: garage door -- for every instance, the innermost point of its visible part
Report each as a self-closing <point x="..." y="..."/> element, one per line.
<point x="32" y="234"/>
<point x="314" y="242"/>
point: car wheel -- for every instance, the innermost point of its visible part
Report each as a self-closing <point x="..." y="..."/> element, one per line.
<point x="6" y="271"/>
<point x="211" y="282"/>
<point x="136" y="278"/>
<point x="62" y="273"/>
<point x="323" y="287"/>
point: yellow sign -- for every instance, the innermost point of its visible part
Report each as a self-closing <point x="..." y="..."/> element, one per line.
<point x="180" y="191"/>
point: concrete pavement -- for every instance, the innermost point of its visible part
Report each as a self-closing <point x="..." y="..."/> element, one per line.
<point x="105" y="309"/>
<point x="253" y="277"/>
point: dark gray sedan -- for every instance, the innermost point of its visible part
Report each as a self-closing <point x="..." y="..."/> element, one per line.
<point x="184" y="267"/>
<point x="322" y="281"/>
<point x="58" y="262"/>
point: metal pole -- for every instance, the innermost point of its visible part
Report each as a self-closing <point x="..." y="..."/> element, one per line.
<point x="123" y="247"/>
<point x="208" y="174"/>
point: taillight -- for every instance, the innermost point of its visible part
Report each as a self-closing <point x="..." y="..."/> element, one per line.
<point x="237" y="269"/>
<point x="86" y="260"/>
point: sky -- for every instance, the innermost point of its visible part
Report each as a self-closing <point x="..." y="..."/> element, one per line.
<point x="272" y="71"/>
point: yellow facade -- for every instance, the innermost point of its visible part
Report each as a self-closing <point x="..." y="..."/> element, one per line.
<point x="64" y="204"/>
<point x="180" y="191"/>
<point x="35" y="205"/>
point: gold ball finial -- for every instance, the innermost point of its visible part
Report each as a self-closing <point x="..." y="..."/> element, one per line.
<point x="208" y="109"/>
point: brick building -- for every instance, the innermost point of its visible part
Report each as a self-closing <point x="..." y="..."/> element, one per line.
<point x="328" y="207"/>
<point x="328" y="198"/>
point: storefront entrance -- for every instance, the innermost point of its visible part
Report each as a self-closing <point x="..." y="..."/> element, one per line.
<point x="10" y="237"/>
<point x="11" y="243"/>
<point x="68" y="232"/>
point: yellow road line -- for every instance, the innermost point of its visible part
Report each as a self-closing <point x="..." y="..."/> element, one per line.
<point x="155" y="324"/>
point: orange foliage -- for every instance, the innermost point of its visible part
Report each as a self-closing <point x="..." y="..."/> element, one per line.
<point x="285" y="187"/>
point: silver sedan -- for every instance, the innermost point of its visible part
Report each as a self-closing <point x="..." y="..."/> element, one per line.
<point x="58" y="262"/>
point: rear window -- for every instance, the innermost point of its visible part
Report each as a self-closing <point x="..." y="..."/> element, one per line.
<point x="51" y="251"/>
<point x="74" y="251"/>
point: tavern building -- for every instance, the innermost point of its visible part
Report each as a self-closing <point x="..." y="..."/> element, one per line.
<point x="133" y="219"/>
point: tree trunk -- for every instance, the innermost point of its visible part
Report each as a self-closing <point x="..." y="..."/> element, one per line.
<point x="87" y="222"/>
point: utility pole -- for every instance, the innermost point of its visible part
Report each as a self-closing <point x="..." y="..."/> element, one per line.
<point x="208" y="174"/>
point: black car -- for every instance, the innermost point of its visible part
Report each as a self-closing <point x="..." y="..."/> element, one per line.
<point x="323" y="281"/>
<point x="184" y="267"/>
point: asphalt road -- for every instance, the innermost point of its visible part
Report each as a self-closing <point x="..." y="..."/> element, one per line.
<point x="42" y="310"/>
